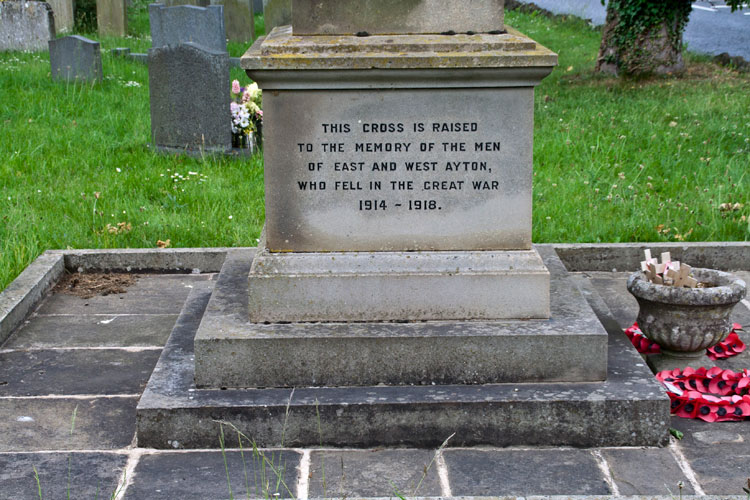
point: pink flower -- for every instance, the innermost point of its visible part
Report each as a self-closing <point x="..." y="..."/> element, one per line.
<point x="235" y="87"/>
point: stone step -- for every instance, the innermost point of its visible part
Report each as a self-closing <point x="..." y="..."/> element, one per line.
<point x="230" y="351"/>
<point x="628" y="409"/>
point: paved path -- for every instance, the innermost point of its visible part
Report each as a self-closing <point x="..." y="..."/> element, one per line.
<point x="71" y="376"/>
<point x="712" y="29"/>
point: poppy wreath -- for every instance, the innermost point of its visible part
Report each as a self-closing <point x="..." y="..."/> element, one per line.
<point x="713" y="395"/>
<point x="731" y="346"/>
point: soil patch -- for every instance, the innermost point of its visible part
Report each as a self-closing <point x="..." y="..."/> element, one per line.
<point x="88" y="285"/>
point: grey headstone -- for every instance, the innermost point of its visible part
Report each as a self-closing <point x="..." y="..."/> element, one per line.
<point x="63" y="12"/>
<point x="112" y="17"/>
<point x="238" y="19"/>
<point x="75" y="58"/>
<point x="277" y="13"/>
<point x="258" y="6"/>
<point x="25" y="25"/>
<point x="202" y="26"/>
<point x="195" y="115"/>
<point x="197" y="3"/>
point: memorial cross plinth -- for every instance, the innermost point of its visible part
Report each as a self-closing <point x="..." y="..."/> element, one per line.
<point x="398" y="177"/>
<point x="398" y="172"/>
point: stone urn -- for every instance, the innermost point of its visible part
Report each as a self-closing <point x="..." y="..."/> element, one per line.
<point x="686" y="321"/>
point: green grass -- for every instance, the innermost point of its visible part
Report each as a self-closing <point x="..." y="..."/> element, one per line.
<point x="614" y="160"/>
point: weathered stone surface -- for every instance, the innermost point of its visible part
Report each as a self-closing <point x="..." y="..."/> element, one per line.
<point x="79" y="475"/>
<point x="75" y="58"/>
<point x="283" y="50"/>
<point x="718" y="454"/>
<point x="395" y="286"/>
<point x="44" y="424"/>
<point x="197" y="3"/>
<point x="373" y="474"/>
<point x="277" y="13"/>
<point x="147" y="296"/>
<point x="63" y="12"/>
<point x="201" y="26"/>
<point x="329" y="354"/>
<point x="112" y="17"/>
<point x="137" y="260"/>
<point x="92" y="330"/>
<point x="388" y="17"/>
<point x="26" y="25"/>
<point x="524" y="473"/>
<point x="646" y="472"/>
<point x="628" y="409"/>
<point x="195" y="116"/>
<point x="75" y="372"/>
<point x="238" y="19"/>
<point x="380" y="191"/>
<point x="201" y="476"/>
<point x="27" y="290"/>
<point x="722" y="255"/>
<point x="687" y="321"/>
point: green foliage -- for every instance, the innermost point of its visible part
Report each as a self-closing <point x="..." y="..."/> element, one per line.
<point x="85" y="16"/>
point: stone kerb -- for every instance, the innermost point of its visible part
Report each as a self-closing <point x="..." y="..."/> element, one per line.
<point x="25" y="25"/>
<point x="202" y="26"/>
<point x="75" y="58"/>
<point x="191" y="116"/>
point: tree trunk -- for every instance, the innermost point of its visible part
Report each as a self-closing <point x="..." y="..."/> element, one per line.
<point x="639" y="47"/>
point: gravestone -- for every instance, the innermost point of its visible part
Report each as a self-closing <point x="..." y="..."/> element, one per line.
<point x="189" y="92"/>
<point x="25" y="25"/>
<point x="197" y="3"/>
<point x="238" y="19"/>
<point x="258" y="6"/>
<point x="63" y="12"/>
<point x="75" y="58"/>
<point x="277" y="13"/>
<point x="203" y="26"/>
<point x="112" y="17"/>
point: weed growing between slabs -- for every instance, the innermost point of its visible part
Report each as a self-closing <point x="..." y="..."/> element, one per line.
<point x="615" y="160"/>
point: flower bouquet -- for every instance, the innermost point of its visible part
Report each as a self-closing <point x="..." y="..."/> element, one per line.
<point x="247" y="117"/>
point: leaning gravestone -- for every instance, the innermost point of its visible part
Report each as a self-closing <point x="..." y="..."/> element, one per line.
<point x="238" y="19"/>
<point x="63" y="11"/>
<point x="277" y="13"/>
<point x="189" y="92"/>
<point x="75" y="58"/>
<point x="25" y="25"/>
<point x="112" y="17"/>
<point x="203" y="26"/>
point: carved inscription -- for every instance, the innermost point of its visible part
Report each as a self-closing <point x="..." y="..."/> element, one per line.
<point x="408" y="167"/>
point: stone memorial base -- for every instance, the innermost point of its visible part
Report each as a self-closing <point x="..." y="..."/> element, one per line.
<point x="214" y="343"/>
<point x="391" y="286"/>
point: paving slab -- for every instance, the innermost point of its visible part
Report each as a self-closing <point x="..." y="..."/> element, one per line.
<point x="719" y="453"/>
<point x="75" y="372"/>
<point x="45" y="424"/>
<point x="151" y="294"/>
<point x="646" y="471"/>
<point x="202" y="475"/>
<point x="524" y="472"/>
<point x="373" y="473"/>
<point x="61" y="475"/>
<point x="93" y="330"/>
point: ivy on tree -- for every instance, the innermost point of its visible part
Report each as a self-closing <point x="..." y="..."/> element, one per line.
<point x="643" y="37"/>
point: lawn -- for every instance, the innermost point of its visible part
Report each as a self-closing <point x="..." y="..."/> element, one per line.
<point x="657" y="160"/>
